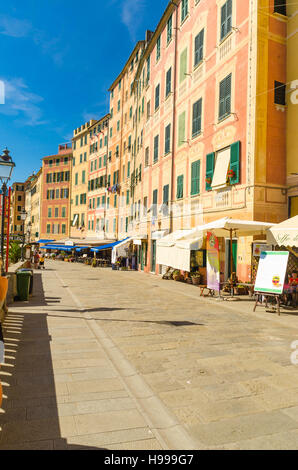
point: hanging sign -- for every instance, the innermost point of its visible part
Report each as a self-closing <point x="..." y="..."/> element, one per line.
<point x="271" y="272"/>
<point x="213" y="266"/>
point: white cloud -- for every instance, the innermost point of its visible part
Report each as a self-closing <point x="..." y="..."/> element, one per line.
<point x="21" y="103"/>
<point x="131" y="16"/>
<point x="14" y="27"/>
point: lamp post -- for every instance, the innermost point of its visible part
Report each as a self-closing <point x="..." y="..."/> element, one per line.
<point x="23" y="218"/>
<point x="6" y="167"/>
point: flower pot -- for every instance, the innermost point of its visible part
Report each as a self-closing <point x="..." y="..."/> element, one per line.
<point x="196" y="280"/>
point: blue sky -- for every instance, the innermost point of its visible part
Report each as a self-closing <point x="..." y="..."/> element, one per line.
<point x="58" y="59"/>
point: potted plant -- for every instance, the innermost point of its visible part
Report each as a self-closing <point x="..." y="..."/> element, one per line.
<point x="94" y="263"/>
<point x="196" y="278"/>
<point x="177" y="276"/>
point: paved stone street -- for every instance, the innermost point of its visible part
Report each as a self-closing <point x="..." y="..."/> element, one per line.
<point x="102" y="359"/>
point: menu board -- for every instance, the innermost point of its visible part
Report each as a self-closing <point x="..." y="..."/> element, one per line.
<point x="271" y="272"/>
<point x="213" y="266"/>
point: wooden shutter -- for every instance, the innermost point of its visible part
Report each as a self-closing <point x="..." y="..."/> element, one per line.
<point x="235" y="162"/>
<point x="169" y="82"/>
<point x="223" y="21"/>
<point x="209" y="169"/>
<point x="180" y="187"/>
<point x="181" y="129"/>
<point x="228" y="94"/>
<point x="199" y="48"/>
<point x="166" y="194"/>
<point x="195" y="177"/>
<point x="183" y="65"/>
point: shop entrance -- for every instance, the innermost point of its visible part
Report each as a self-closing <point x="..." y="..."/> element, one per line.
<point x="228" y="268"/>
<point x="153" y="256"/>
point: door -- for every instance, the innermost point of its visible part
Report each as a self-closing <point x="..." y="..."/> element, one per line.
<point x="228" y="270"/>
<point x="143" y="255"/>
<point x="153" y="256"/>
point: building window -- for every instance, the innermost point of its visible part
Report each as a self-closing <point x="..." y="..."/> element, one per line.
<point x="63" y="212"/>
<point x="226" y="19"/>
<point x="195" y="178"/>
<point x="147" y="156"/>
<point x="165" y="199"/>
<point x="156" y="148"/>
<point x="49" y="212"/>
<point x="158" y="42"/>
<point x="169" y="29"/>
<point x="168" y="82"/>
<point x="184" y="10"/>
<point x="83" y="176"/>
<point x="279" y="93"/>
<point x="56" y="212"/>
<point x="183" y="66"/>
<point x="225" y="89"/>
<point x="157" y="91"/>
<point x="181" y="129"/>
<point x="168" y="139"/>
<point x="280" y="6"/>
<point x="197" y="118"/>
<point x="180" y="187"/>
<point x="76" y="179"/>
<point x="154" y="202"/>
<point x="48" y="228"/>
<point x="199" y="48"/>
<point x="63" y="228"/>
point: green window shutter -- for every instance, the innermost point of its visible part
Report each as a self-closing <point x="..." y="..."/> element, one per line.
<point x="183" y="66"/>
<point x="197" y="117"/>
<point x="226" y="19"/>
<point x="180" y="187"/>
<point x="235" y="162"/>
<point x="199" y="48"/>
<point x="168" y="82"/>
<point x="195" y="178"/>
<point x="181" y="129"/>
<point x="209" y="169"/>
<point x="168" y="139"/>
<point x="225" y="94"/>
<point x="166" y="194"/>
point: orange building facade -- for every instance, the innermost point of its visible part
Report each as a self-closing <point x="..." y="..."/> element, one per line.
<point x="55" y="191"/>
<point x="208" y="125"/>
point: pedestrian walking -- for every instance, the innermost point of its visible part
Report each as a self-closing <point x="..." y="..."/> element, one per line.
<point x="41" y="261"/>
<point x="36" y="260"/>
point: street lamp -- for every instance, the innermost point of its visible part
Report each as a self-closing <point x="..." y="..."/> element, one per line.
<point x="23" y="218"/>
<point x="6" y="167"/>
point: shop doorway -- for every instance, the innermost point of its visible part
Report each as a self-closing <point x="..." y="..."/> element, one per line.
<point x="143" y="255"/>
<point x="228" y="269"/>
<point x="153" y="256"/>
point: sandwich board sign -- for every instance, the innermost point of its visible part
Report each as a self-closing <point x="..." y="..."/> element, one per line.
<point x="271" y="272"/>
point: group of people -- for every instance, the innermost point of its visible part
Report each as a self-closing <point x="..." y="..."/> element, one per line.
<point x="38" y="260"/>
<point x="291" y="289"/>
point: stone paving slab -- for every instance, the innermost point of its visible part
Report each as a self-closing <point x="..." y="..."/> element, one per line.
<point x="123" y="360"/>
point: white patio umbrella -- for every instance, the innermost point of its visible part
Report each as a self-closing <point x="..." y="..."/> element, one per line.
<point x="285" y="233"/>
<point x="226" y="225"/>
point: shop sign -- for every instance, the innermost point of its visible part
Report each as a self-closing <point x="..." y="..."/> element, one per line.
<point x="259" y="247"/>
<point x="213" y="266"/>
<point x="271" y="272"/>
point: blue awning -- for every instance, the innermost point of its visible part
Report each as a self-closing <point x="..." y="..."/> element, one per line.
<point x="57" y="247"/>
<point x="109" y="246"/>
<point x="45" y="241"/>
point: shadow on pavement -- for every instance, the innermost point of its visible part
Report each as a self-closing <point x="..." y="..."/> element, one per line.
<point x="29" y="418"/>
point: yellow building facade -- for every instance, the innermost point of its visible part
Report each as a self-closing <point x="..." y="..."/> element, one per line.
<point x="292" y="108"/>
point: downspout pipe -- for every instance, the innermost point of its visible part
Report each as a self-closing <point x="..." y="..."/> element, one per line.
<point x="174" y="117"/>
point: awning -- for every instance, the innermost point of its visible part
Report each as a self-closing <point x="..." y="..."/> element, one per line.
<point x="171" y="238"/>
<point x="158" y="234"/>
<point x="44" y="241"/>
<point x="194" y="243"/>
<point x="122" y="246"/>
<point x="108" y="246"/>
<point x="57" y="247"/>
<point x="219" y="179"/>
<point x="285" y="233"/>
<point x="169" y="254"/>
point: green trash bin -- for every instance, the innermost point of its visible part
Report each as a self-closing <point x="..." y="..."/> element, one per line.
<point x="23" y="285"/>
<point x="24" y="270"/>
